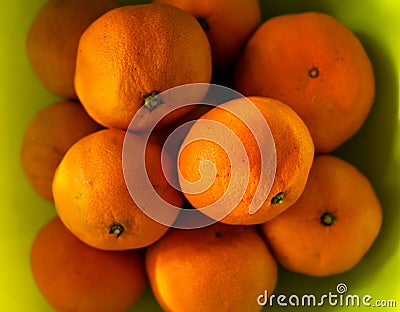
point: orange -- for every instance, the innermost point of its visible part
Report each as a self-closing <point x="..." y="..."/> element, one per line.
<point x="48" y="137"/>
<point x="53" y="37"/>
<point x="75" y="277"/>
<point x="133" y="53"/>
<point x="333" y="224"/>
<point x="294" y="155"/>
<point x="227" y="23"/>
<point x="92" y="198"/>
<point x="316" y="65"/>
<point x="215" y="268"/>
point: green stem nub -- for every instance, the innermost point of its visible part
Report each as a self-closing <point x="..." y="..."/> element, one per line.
<point x="203" y="23"/>
<point x="278" y="198"/>
<point x="328" y="219"/>
<point x="116" y="229"/>
<point x="151" y="101"/>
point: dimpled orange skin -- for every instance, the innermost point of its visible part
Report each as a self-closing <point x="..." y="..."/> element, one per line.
<point x="134" y="51"/>
<point x="91" y="195"/>
<point x="214" y="268"/>
<point x="294" y="156"/>
<point x="75" y="277"/>
<point x="48" y="137"/>
<point x="53" y="38"/>
<point x="316" y="65"/>
<point x="229" y="24"/>
<point x="302" y="243"/>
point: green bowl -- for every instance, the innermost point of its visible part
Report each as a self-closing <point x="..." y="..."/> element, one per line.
<point x="375" y="150"/>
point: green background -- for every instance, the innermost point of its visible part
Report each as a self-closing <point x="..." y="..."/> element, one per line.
<point x="375" y="150"/>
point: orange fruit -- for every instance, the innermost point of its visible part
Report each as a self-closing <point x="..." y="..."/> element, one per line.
<point x="227" y="23"/>
<point x="132" y="53"/>
<point x="53" y="37"/>
<point x="206" y="144"/>
<point x="316" y="65"/>
<point x="75" y="277"/>
<point x="214" y="268"/>
<point x="92" y="198"/>
<point x="48" y="137"/>
<point x="333" y="224"/>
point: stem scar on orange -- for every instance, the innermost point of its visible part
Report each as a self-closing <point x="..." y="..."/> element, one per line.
<point x="332" y="225"/>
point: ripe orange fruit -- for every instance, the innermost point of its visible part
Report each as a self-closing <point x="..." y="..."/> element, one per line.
<point x="75" y="277"/>
<point x="227" y="23"/>
<point x="294" y="155"/>
<point x="132" y="53"/>
<point x="333" y="224"/>
<point x="53" y="37"/>
<point x="218" y="267"/>
<point x="92" y="198"/>
<point x="48" y="137"/>
<point x="316" y="65"/>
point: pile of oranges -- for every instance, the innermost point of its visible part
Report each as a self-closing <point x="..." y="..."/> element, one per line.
<point x="306" y="76"/>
